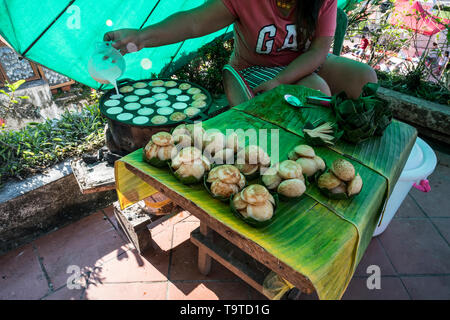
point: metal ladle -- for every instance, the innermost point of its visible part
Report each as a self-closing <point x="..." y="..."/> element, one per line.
<point x="294" y="101"/>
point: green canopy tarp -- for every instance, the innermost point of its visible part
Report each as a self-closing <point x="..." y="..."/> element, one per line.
<point x="61" y="34"/>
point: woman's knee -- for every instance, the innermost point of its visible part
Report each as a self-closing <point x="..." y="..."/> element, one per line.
<point x="316" y="82"/>
<point x="368" y="75"/>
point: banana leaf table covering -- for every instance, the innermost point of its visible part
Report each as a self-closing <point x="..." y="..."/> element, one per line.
<point x="322" y="239"/>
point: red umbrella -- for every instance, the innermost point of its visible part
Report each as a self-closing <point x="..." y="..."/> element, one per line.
<point x="416" y="18"/>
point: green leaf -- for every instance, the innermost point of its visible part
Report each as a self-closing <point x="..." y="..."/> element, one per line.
<point x="17" y="84"/>
<point x="347" y="107"/>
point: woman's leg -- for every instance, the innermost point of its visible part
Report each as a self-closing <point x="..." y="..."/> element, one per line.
<point x="342" y="74"/>
<point x="314" y="81"/>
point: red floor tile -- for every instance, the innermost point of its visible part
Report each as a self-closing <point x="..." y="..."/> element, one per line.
<point x="130" y="266"/>
<point x="415" y="247"/>
<point x="21" y="276"/>
<point x="409" y="209"/>
<point x="391" y="289"/>
<point x="163" y="240"/>
<point x="375" y="255"/>
<point x="184" y="266"/>
<point x="85" y="243"/>
<point x="443" y="225"/>
<point x="428" y="288"/>
<point x="170" y="222"/>
<point x="127" y="291"/>
<point x="435" y="201"/>
<point x="66" y="294"/>
<point x="182" y="232"/>
<point x="208" y="291"/>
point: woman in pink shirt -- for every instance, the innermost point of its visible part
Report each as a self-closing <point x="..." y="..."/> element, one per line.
<point x="288" y="41"/>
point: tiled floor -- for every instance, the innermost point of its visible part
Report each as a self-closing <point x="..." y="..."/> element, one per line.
<point x="413" y="255"/>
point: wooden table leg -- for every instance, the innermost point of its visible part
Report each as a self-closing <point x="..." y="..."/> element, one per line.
<point x="204" y="260"/>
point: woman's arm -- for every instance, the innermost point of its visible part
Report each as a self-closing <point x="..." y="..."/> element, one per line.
<point x="200" y="21"/>
<point x="301" y="67"/>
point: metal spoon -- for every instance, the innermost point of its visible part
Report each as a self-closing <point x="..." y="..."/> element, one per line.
<point x="294" y="101"/>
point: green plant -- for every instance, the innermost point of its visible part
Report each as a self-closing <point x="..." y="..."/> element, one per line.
<point x="10" y="94"/>
<point x="413" y="85"/>
<point x="40" y="145"/>
<point x="363" y="117"/>
<point x="206" y="67"/>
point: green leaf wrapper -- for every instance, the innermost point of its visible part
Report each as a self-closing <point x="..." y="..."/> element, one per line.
<point x="361" y="118"/>
<point x="154" y="161"/>
<point x="184" y="180"/>
<point x="252" y="222"/>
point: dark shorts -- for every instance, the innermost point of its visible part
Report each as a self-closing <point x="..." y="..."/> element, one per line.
<point x="256" y="75"/>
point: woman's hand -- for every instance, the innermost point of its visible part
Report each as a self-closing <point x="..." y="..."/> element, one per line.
<point x="266" y="86"/>
<point x="125" y="40"/>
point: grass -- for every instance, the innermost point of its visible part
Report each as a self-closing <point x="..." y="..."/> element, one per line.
<point x="40" y="145"/>
<point x="414" y="86"/>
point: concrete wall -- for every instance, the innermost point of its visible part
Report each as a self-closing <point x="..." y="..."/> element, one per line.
<point x="431" y="119"/>
<point x="37" y="205"/>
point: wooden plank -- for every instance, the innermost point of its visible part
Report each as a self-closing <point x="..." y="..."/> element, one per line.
<point x="204" y="259"/>
<point x="245" y="244"/>
<point x="233" y="259"/>
<point x="56" y="86"/>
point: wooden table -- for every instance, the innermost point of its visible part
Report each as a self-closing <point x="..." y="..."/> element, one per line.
<point x="315" y="243"/>
<point x="237" y="257"/>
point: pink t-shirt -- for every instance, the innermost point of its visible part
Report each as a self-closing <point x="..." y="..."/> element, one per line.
<point x="264" y="37"/>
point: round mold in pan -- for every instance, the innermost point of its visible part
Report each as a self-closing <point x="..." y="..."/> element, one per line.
<point x="126" y="89"/>
<point x="165" y="111"/>
<point x="145" y="111"/>
<point x="183" y="98"/>
<point x="194" y="91"/>
<point x="140" y="120"/>
<point x="174" y="92"/>
<point x="116" y="96"/>
<point x="178" y="116"/>
<point x="142" y="92"/>
<point x="185" y="86"/>
<point x="147" y="101"/>
<point x="170" y="84"/>
<point x="112" y="103"/>
<point x="114" y="110"/>
<point x="132" y="106"/>
<point x="192" y="111"/>
<point x="131" y="98"/>
<point x="124" y="116"/>
<point x="199" y="104"/>
<point x="158" y="89"/>
<point x="199" y="96"/>
<point x="163" y="103"/>
<point x="160" y="96"/>
<point x="139" y="85"/>
<point x="158" y="120"/>
<point x="179" y="105"/>
<point x="156" y="83"/>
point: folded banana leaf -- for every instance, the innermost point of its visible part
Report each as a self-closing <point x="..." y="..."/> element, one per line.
<point x="323" y="239"/>
<point x="155" y="161"/>
<point x="321" y="133"/>
<point x="253" y="222"/>
<point x="361" y="118"/>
